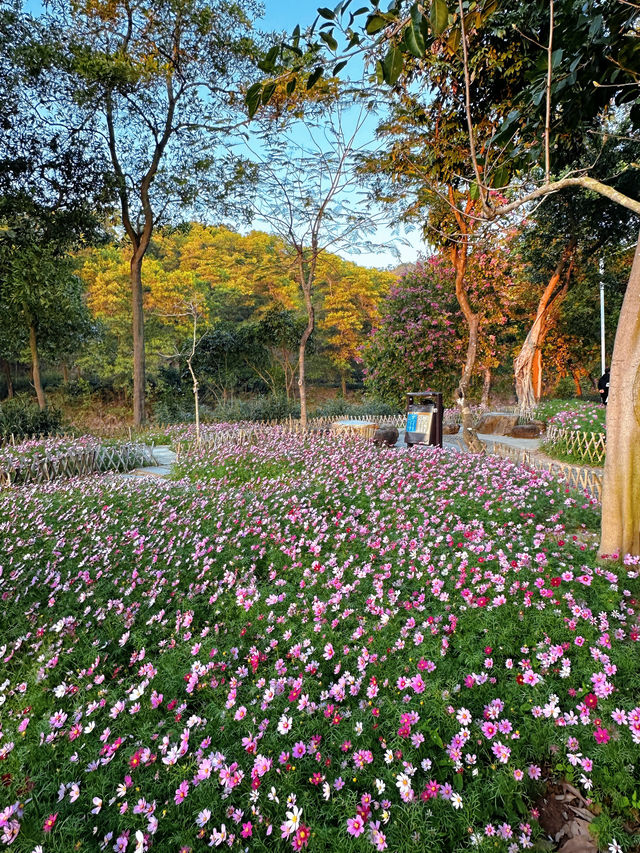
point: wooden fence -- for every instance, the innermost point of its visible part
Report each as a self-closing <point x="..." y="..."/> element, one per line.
<point x="589" y="447"/>
<point x="74" y="462"/>
<point x="248" y="434"/>
<point x="575" y="476"/>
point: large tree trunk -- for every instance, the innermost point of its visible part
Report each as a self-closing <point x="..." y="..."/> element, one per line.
<point x="621" y="495"/>
<point x="536" y="371"/>
<point x="576" y="381"/>
<point x="6" y="369"/>
<point x="459" y="258"/>
<point x="35" y="366"/>
<point x="486" y="387"/>
<point x="527" y="365"/>
<point x="302" y="388"/>
<point x="138" y="338"/>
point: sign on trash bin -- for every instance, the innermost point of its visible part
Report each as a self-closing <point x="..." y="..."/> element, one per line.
<point x="425" y="413"/>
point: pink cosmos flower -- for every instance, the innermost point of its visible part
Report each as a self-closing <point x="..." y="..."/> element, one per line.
<point x="50" y="822"/>
<point x="355" y="826"/>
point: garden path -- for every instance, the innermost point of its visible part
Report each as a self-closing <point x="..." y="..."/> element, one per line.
<point x="455" y="441"/>
<point x="164" y="456"/>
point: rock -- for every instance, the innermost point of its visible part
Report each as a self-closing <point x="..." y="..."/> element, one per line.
<point x="386" y="435"/>
<point x="525" y="431"/>
<point x="450" y="429"/>
<point x="497" y="423"/>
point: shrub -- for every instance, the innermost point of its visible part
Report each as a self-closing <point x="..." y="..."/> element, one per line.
<point x="268" y="408"/>
<point x="22" y="418"/>
<point x="340" y="406"/>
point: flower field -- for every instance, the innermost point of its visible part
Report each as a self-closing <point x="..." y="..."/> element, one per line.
<point x="311" y="643"/>
<point x="583" y="416"/>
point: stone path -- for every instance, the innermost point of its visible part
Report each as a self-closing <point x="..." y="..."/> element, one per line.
<point x="455" y="441"/>
<point x="164" y="456"/>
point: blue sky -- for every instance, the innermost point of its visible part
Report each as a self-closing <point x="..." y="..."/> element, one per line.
<point x="283" y="15"/>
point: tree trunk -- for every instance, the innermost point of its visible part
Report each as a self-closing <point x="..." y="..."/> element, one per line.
<point x="527" y="391"/>
<point x="343" y="383"/>
<point x="302" y="388"/>
<point x="35" y="366"/>
<point x="621" y="494"/>
<point x="6" y="369"/>
<point x="459" y="258"/>
<point x="486" y="387"/>
<point x="536" y="373"/>
<point x="137" y="314"/>
<point x="576" y="382"/>
<point x="65" y="372"/>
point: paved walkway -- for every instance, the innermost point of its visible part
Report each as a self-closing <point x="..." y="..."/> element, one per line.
<point x="456" y="442"/>
<point x="164" y="456"/>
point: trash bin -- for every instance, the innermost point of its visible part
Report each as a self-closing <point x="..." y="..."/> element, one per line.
<point x="425" y="412"/>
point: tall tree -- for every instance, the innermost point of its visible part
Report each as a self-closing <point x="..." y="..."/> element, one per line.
<point x="157" y="82"/>
<point x="43" y="298"/>
<point x="52" y="195"/>
<point x="309" y="198"/>
<point x="352" y="296"/>
<point x="578" y="60"/>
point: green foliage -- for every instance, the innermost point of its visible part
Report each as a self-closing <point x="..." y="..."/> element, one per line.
<point x="265" y="408"/>
<point x="415" y="346"/>
<point x="21" y="418"/>
<point x="340" y="406"/>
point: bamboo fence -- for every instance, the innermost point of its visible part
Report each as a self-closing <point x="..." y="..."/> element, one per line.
<point x="574" y="476"/>
<point x="589" y="447"/>
<point x="75" y="462"/>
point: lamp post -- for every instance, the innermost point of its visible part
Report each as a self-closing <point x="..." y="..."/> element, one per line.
<point x="603" y="354"/>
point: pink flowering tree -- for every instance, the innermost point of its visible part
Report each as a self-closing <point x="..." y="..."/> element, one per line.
<point x="417" y="344"/>
<point x="422" y="338"/>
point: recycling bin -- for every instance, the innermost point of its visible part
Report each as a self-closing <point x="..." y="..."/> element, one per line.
<point x="425" y="413"/>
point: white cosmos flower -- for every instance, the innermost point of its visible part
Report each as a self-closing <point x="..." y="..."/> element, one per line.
<point x="284" y="724"/>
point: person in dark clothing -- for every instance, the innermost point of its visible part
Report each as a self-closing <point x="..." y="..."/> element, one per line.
<point x="603" y="386"/>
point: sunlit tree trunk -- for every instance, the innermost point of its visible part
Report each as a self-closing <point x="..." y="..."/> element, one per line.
<point x="459" y="258"/>
<point x="576" y="381"/>
<point x="527" y="392"/>
<point x="343" y="385"/>
<point x="621" y="495"/>
<point x="486" y="387"/>
<point x="459" y="253"/>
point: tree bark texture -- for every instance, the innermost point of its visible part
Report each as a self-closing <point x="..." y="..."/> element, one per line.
<point x="35" y="366"/>
<point x="459" y="258"/>
<point x="137" y="314"/>
<point x="576" y="381"/>
<point x="527" y="365"/>
<point x="6" y="369"/>
<point x="621" y="488"/>
<point x="302" y="388"/>
<point x="486" y="387"/>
